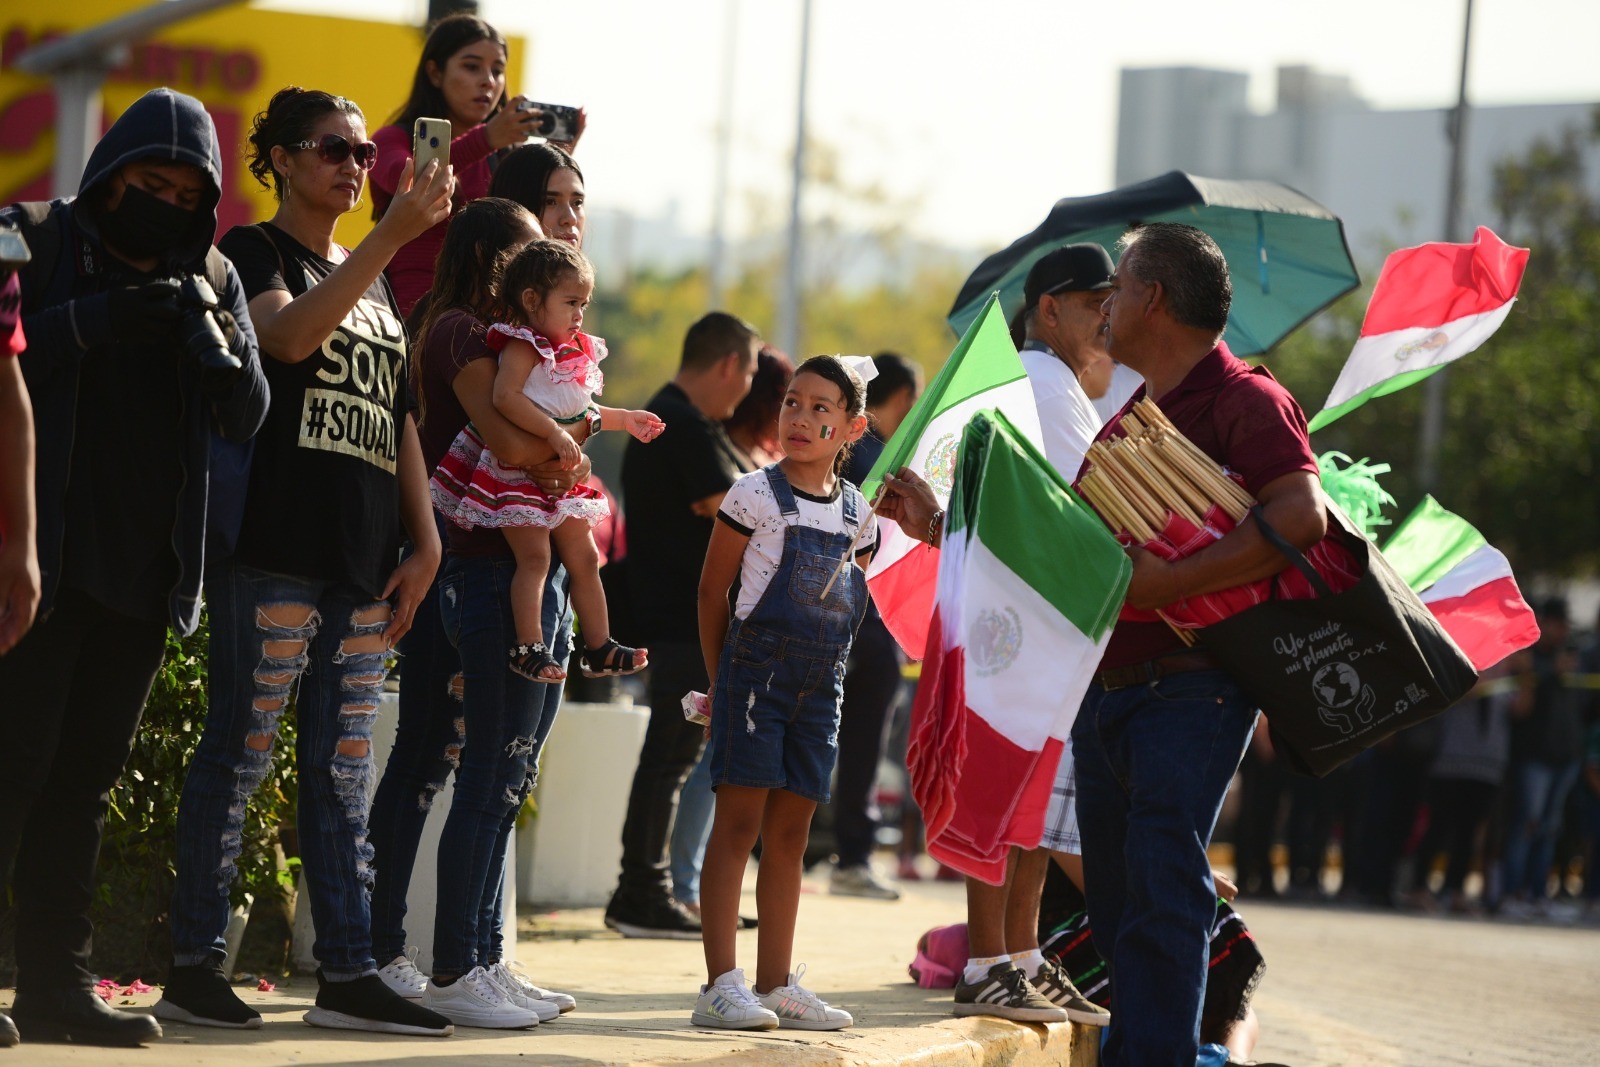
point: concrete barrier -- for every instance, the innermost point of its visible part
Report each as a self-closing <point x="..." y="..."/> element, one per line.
<point x="568" y="854"/>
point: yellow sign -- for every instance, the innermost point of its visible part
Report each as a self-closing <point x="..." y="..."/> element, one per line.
<point x="232" y="60"/>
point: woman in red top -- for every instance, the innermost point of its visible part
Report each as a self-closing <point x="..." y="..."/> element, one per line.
<point x="461" y="77"/>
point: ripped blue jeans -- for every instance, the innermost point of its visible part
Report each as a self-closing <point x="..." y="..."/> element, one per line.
<point x="273" y="636"/>
<point x="507" y="719"/>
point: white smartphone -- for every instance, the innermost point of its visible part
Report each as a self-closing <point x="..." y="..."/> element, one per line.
<point x="430" y="139"/>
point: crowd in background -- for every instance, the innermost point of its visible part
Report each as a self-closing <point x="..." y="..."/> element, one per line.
<point x="1492" y="808"/>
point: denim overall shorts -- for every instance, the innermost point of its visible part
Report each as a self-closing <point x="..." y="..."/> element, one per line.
<point x="775" y="712"/>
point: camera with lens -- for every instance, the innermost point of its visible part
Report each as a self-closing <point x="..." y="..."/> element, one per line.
<point x="202" y="336"/>
<point x="557" y="122"/>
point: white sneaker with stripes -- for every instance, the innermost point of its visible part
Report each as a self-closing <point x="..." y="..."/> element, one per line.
<point x="797" y="1008"/>
<point x="728" y="1004"/>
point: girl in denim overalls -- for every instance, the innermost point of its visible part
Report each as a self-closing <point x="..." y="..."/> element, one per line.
<point x="777" y="671"/>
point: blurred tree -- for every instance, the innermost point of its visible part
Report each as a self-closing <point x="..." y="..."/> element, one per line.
<point x="1521" y="449"/>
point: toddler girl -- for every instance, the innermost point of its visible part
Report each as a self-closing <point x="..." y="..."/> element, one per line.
<point x="777" y="669"/>
<point x="549" y="373"/>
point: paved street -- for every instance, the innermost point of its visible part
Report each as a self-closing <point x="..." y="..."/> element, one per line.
<point x="1364" y="988"/>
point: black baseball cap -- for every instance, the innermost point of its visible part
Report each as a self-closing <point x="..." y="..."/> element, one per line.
<point x="1078" y="268"/>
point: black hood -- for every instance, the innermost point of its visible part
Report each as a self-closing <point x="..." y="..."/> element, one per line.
<point x="168" y="125"/>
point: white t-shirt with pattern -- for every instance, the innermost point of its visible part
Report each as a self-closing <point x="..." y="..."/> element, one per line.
<point x="750" y="508"/>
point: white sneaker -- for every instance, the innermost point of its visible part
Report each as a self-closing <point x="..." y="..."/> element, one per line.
<point x="474" y="1000"/>
<point x="403" y="978"/>
<point x="728" y="1004"/>
<point x="507" y="983"/>
<point x="563" y="1002"/>
<point x="860" y="881"/>
<point x="797" y="1008"/>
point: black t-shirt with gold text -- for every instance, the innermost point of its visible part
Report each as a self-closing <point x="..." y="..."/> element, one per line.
<point x="324" y="498"/>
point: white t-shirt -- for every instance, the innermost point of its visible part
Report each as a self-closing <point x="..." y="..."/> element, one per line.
<point x="1124" y="380"/>
<point x="749" y="507"/>
<point x="1066" y="415"/>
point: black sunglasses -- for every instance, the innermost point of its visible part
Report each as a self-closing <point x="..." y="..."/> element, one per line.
<point x="335" y="149"/>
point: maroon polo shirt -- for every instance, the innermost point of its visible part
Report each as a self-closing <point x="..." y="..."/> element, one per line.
<point x="1242" y="418"/>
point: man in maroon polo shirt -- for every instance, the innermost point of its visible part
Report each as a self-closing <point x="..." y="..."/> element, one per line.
<point x="1162" y="728"/>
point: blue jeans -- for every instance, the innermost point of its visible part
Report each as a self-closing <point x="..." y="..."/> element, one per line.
<point x="507" y="719"/>
<point x="691" y="830"/>
<point x="1153" y="764"/>
<point x="1540" y="794"/>
<point x="428" y="741"/>
<point x="255" y="662"/>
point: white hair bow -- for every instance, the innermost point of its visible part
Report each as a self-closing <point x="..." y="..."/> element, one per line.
<point x="862" y="365"/>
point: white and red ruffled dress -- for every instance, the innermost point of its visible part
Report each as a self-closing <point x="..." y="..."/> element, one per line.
<point x="471" y="488"/>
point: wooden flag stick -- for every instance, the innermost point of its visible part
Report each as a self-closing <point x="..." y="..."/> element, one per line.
<point x="850" y="553"/>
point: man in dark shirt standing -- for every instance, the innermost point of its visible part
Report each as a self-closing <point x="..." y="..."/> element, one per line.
<point x="1162" y="729"/>
<point x="672" y="490"/>
<point x="126" y="405"/>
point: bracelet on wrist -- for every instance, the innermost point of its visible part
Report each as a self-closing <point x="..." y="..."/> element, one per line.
<point x="935" y="527"/>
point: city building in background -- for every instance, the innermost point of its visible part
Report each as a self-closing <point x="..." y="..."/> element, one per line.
<point x="1382" y="170"/>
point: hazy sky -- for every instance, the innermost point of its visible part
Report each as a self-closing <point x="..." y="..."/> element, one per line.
<point x="976" y="115"/>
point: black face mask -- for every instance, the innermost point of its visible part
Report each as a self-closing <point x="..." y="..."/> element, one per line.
<point x="144" y="226"/>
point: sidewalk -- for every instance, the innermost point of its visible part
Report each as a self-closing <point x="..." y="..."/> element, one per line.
<point x="634" y="999"/>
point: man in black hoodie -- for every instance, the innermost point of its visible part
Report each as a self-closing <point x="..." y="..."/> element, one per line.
<point x="127" y="416"/>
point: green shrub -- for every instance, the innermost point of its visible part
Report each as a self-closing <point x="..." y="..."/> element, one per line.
<point x="138" y="853"/>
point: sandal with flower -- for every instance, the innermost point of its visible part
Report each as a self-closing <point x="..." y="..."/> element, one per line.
<point x="535" y="663"/>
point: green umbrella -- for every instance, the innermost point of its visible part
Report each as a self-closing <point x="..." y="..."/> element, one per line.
<point x="1286" y="253"/>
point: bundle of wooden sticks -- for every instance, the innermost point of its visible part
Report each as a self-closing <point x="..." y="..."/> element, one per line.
<point x="1138" y="482"/>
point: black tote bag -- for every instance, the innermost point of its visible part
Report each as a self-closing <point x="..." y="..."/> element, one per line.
<point x="1337" y="674"/>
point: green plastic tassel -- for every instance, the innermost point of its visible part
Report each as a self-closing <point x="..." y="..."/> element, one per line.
<point x="1354" y="487"/>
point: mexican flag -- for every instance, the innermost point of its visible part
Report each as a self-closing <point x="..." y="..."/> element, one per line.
<point x="1432" y="305"/>
<point x="1465" y="581"/>
<point x="982" y="372"/>
<point x="1029" y="586"/>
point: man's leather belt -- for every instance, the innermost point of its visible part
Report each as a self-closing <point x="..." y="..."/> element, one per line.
<point x="1155" y="669"/>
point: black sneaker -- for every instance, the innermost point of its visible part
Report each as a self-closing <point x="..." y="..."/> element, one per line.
<point x="78" y="1016"/>
<point x="662" y="918"/>
<point x="8" y="1032"/>
<point x="1054" y="985"/>
<point x="201" y="996"/>
<point x="1005" y="993"/>
<point x="368" y="1004"/>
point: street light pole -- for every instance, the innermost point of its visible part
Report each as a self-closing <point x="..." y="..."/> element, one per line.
<point x="1431" y="430"/>
<point x="789" y="338"/>
<point x="719" y="205"/>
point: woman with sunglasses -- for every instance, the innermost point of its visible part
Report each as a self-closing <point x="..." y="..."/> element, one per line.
<point x="313" y="596"/>
<point x="461" y="77"/>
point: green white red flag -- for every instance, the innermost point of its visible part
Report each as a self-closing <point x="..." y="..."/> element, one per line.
<point x="983" y="371"/>
<point x="1432" y="305"/>
<point x="1465" y="581"/>
<point x="1029" y="586"/>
